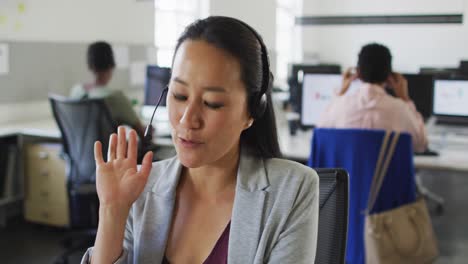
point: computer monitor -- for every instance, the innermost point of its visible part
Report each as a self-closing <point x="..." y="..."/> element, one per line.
<point x="296" y="77"/>
<point x="439" y="72"/>
<point x="420" y="90"/>
<point x="318" y="89"/>
<point x="463" y="68"/>
<point x="157" y="78"/>
<point x="297" y="71"/>
<point x="451" y="100"/>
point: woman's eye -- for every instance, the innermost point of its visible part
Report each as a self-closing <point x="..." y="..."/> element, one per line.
<point x="214" y="105"/>
<point x="179" y="97"/>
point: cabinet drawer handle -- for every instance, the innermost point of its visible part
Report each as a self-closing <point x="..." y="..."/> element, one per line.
<point x="44" y="194"/>
<point x="44" y="173"/>
<point x="43" y="155"/>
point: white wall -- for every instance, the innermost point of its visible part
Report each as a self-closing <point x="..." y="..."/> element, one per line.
<point x="260" y="14"/>
<point x="381" y="7"/>
<point x="412" y="46"/>
<point x="122" y="21"/>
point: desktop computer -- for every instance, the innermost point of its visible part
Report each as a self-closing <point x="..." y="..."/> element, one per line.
<point x="296" y="78"/>
<point x="317" y="92"/>
<point x="451" y="101"/>
<point x="318" y="89"/>
<point x="449" y="123"/>
<point x="440" y="72"/>
<point x="420" y="90"/>
<point x="157" y="78"/>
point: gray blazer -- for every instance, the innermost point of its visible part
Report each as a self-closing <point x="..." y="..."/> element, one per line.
<point x="274" y="218"/>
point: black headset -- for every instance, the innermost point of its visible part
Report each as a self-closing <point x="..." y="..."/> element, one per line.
<point x="258" y="105"/>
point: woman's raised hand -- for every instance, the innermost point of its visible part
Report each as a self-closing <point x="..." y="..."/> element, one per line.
<point x="118" y="181"/>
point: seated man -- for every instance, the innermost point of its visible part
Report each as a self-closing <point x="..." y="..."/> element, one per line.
<point x="370" y="107"/>
<point x="101" y="63"/>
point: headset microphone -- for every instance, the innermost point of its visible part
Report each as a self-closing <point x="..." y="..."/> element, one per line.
<point x="147" y="136"/>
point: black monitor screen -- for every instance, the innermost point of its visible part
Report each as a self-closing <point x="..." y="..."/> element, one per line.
<point x="421" y="89"/>
<point x="157" y="78"/>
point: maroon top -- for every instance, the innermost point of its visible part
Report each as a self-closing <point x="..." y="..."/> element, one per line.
<point x="220" y="251"/>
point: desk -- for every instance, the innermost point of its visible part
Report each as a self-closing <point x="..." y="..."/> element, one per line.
<point x="295" y="147"/>
<point x="40" y="133"/>
<point x="13" y="138"/>
<point x="453" y="154"/>
<point x="453" y="150"/>
<point x="44" y="128"/>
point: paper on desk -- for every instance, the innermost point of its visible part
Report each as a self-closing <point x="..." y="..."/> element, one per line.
<point x="121" y="55"/>
<point x="4" y="59"/>
<point x="137" y="73"/>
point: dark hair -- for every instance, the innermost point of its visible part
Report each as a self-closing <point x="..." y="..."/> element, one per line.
<point x="374" y="63"/>
<point x="100" y="57"/>
<point x="239" y="40"/>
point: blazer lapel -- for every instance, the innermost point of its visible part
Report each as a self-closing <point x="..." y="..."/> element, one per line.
<point x="247" y="215"/>
<point x="158" y="214"/>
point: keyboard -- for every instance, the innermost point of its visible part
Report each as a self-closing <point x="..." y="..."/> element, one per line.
<point x="427" y="152"/>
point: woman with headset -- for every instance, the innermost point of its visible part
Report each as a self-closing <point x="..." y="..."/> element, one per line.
<point x="226" y="197"/>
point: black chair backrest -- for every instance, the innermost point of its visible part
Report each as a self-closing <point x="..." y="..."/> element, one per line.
<point x="333" y="216"/>
<point x="81" y="123"/>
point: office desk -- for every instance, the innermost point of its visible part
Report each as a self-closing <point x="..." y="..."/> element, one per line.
<point x="295" y="147"/>
<point x="32" y="139"/>
<point x="453" y="154"/>
<point x="13" y="138"/>
<point x="453" y="150"/>
<point x="44" y="128"/>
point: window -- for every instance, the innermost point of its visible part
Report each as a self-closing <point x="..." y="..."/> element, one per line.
<point x="288" y="40"/>
<point x="171" y="18"/>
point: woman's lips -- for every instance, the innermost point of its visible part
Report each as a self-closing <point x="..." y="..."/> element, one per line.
<point x="189" y="143"/>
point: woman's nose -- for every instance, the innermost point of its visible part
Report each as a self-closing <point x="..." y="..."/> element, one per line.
<point x="191" y="117"/>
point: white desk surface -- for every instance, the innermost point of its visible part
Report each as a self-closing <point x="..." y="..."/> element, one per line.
<point x="45" y="128"/>
<point x="49" y="128"/>
<point x="453" y="150"/>
<point x="453" y="154"/>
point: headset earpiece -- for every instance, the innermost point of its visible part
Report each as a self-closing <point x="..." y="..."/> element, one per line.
<point x="259" y="106"/>
<point x="259" y="102"/>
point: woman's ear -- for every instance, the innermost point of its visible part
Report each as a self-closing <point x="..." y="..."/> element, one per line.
<point x="249" y="123"/>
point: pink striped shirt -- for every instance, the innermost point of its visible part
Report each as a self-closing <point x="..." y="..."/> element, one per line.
<point x="371" y="107"/>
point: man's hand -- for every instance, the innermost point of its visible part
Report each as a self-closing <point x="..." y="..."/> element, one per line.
<point x="348" y="77"/>
<point x="400" y="85"/>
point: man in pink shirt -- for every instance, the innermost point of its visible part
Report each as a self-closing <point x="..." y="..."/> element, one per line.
<point x="370" y="106"/>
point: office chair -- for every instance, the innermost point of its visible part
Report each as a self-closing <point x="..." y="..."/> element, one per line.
<point x="81" y="123"/>
<point x="430" y="196"/>
<point x="356" y="151"/>
<point x="333" y="216"/>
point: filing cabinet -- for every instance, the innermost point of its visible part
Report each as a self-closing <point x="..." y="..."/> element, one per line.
<point x="46" y="198"/>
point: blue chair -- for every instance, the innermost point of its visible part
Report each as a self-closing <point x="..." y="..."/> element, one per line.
<point x="356" y="151"/>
